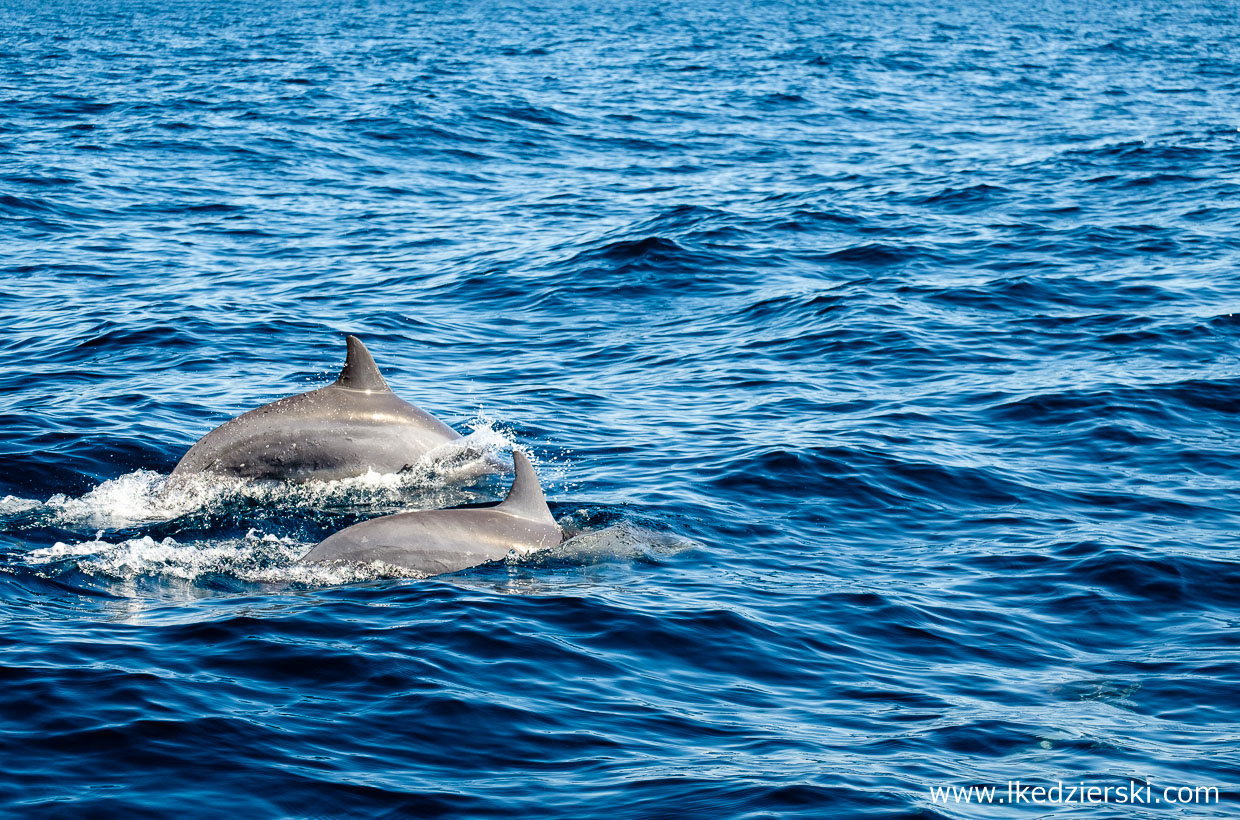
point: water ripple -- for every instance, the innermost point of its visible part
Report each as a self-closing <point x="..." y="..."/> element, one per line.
<point x="880" y="363"/>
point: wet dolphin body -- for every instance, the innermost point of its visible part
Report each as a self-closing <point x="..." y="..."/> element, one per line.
<point x="437" y="541"/>
<point x="352" y="426"/>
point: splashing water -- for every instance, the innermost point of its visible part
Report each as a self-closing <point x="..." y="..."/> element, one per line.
<point x="259" y="558"/>
<point x="142" y="497"/>
<point x="254" y="559"/>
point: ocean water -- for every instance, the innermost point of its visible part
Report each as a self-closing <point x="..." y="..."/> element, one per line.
<point x="886" y="356"/>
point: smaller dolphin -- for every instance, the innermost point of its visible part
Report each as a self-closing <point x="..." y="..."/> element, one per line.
<point x="353" y="425"/>
<point x="438" y="541"/>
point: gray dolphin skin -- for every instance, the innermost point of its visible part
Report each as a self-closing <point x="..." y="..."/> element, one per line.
<point x="433" y="542"/>
<point x="348" y="428"/>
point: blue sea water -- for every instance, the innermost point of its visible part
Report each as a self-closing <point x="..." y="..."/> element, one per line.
<point x="885" y="354"/>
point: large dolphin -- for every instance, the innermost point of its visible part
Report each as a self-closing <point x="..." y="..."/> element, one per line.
<point x="437" y="541"/>
<point x="352" y="426"/>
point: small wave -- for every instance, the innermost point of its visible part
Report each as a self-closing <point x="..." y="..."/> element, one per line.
<point x="1037" y="292"/>
<point x="11" y="505"/>
<point x="14" y="204"/>
<point x="524" y="112"/>
<point x="963" y="199"/>
<point x="650" y="248"/>
<point x="876" y="254"/>
<point x="780" y="100"/>
<point x="801" y="303"/>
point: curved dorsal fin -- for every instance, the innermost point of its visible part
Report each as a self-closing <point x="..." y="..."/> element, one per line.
<point x="526" y="498"/>
<point x="360" y="371"/>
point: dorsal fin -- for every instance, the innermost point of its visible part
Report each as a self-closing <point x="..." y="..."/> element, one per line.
<point x="526" y="498"/>
<point x="360" y="371"/>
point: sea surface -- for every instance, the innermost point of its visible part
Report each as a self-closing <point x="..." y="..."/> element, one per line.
<point x="885" y="355"/>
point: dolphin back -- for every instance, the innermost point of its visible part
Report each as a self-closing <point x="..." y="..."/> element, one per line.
<point x="351" y="426"/>
<point x="360" y="371"/>
<point x="431" y="542"/>
<point x="526" y="499"/>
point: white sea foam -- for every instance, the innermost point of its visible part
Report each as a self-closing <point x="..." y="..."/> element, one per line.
<point x="11" y="505"/>
<point x="146" y="497"/>
<point x="267" y="559"/>
<point x="256" y="558"/>
<point x="619" y="542"/>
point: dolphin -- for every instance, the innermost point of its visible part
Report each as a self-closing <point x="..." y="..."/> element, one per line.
<point x="353" y="425"/>
<point x="432" y="542"/>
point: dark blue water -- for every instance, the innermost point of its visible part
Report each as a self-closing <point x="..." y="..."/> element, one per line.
<point x="886" y="354"/>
